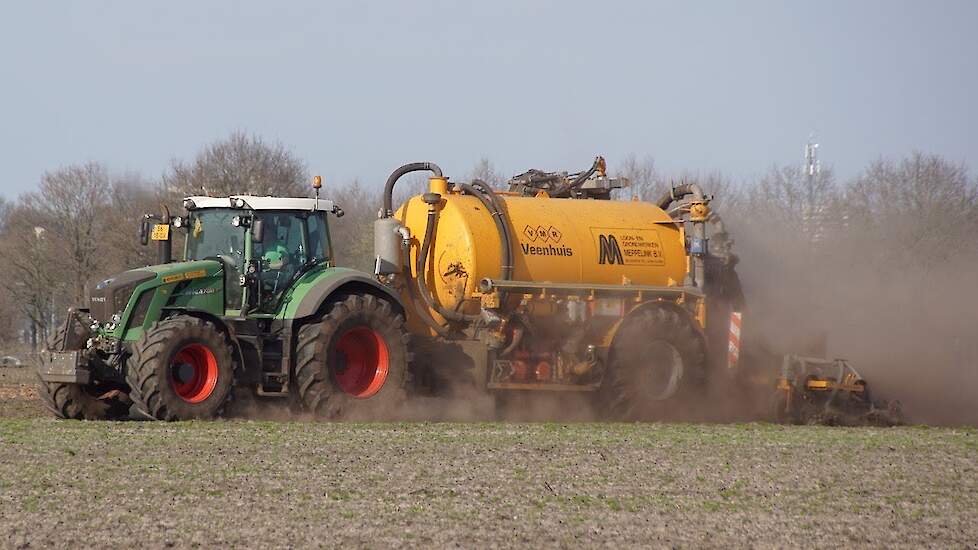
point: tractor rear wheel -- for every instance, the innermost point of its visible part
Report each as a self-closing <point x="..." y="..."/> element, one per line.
<point x="75" y="401"/>
<point x="656" y="359"/>
<point x="181" y="369"/>
<point x="353" y="362"/>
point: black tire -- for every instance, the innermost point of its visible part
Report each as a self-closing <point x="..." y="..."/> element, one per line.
<point x="74" y="401"/>
<point x="325" y="360"/>
<point x="181" y="369"/>
<point x="657" y="360"/>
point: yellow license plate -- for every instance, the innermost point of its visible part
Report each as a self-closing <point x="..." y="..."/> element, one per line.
<point x="161" y="232"/>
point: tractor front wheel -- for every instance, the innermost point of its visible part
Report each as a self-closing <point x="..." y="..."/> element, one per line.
<point x="353" y="363"/>
<point x="181" y="369"/>
<point x="75" y="401"/>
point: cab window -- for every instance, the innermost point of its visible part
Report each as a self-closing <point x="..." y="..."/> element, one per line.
<point x="318" y="237"/>
<point x="283" y="250"/>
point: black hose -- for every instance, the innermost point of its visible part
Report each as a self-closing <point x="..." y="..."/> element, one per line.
<point x="396" y="175"/>
<point x="581" y="178"/>
<point x="505" y="249"/>
<point x="422" y="275"/>
<point x="502" y="225"/>
<point x="490" y="200"/>
<point x="421" y="311"/>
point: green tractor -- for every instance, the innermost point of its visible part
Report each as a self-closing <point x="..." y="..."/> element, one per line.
<point x="256" y="309"/>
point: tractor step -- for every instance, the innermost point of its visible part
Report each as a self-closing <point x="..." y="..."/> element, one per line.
<point x="273" y="384"/>
<point x="271" y="393"/>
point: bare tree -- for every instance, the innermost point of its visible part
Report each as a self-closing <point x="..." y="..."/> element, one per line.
<point x="72" y="205"/>
<point x="485" y="171"/>
<point x="240" y="164"/>
<point x="28" y="276"/>
<point x="352" y="235"/>
<point x="646" y="183"/>
<point x="129" y="199"/>
<point x="798" y="202"/>
<point x="923" y="207"/>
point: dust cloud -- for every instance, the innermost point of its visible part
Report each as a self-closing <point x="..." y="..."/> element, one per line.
<point x="908" y="325"/>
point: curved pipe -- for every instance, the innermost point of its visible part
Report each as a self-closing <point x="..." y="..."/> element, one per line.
<point x="678" y="192"/>
<point x="698" y="274"/>
<point x="422" y="278"/>
<point x="502" y="225"/>
<point x="397" y="174"/>
<point x="421" y="311"/>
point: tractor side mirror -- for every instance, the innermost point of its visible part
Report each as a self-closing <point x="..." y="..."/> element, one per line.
<point x="257" y="230"/>
<point x="144" y="232"/>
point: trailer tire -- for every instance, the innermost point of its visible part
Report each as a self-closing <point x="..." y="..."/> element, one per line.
<point x="181" y="369"/>
<point x="353" y="362"/>
<point x="74" y="401"/>
<point x="657" y="359"/>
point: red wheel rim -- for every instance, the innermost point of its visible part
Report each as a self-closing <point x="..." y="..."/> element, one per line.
<point x="362" y="361"/>
<point x="193" y="373"/>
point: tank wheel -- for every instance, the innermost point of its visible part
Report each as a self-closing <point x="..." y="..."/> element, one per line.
<point x="657" y="357"/>
<point x="74" y="401"/>
<point x="181" y="369"/>
<point x="354" y="360"/>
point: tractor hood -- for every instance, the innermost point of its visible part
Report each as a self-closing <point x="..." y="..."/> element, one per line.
<point x="111" y="296"/>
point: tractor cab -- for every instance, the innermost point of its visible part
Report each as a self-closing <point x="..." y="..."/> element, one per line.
<point x="264" y="244"/>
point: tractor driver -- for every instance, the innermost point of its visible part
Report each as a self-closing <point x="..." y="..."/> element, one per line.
<point x="276" y="259"/>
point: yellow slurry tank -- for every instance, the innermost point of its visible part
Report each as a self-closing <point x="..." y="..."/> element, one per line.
<point x="553" y="240"/>
<point x="551" y="286"/>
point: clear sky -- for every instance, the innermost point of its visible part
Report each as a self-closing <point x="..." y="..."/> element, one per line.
<point x="358" y="88"/>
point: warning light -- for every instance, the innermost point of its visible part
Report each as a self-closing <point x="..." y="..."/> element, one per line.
<point x="317" y="182"/>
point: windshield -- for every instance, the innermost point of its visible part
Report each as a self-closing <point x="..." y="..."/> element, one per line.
<point x="211" y="234"/>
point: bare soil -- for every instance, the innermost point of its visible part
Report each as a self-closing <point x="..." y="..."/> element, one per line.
<point x="309" y="484"/>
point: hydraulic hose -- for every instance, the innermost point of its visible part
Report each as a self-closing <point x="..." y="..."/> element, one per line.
<point x="576" y="182"/>
<point x="422" y="277"/>
<point x="502" y="225"/>
<point x="422" y="312"/>
<point x="396" y="175"/>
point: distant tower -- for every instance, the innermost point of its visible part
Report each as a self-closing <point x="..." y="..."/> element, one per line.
<point x="813" y="206"/>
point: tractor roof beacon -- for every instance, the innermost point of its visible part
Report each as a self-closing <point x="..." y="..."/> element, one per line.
<point x="256" y="305"/>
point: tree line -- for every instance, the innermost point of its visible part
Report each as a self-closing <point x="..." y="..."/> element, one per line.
<point x="809" y="244"/>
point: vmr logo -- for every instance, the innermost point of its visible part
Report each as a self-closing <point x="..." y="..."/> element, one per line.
<point x="547" y="241"/>
<point x="545" y="234"/>
<point x="608" y="250"/>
